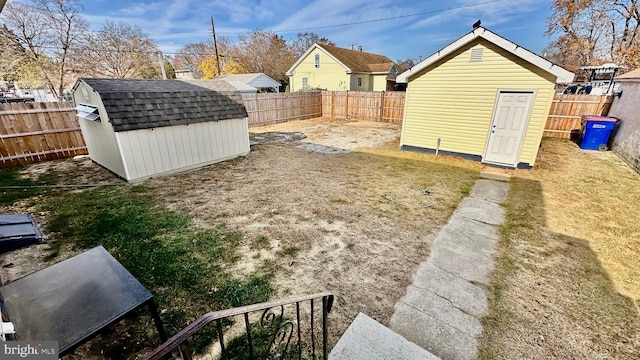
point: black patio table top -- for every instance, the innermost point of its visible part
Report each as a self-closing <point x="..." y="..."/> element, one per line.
<point x="73" y="300"/>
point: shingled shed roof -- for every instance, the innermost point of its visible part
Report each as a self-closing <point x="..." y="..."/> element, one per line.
<point x="360" y="60"/>
<point x="134" y="104"/>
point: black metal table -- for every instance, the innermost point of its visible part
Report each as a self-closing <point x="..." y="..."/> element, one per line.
<point x="72" y="301"/>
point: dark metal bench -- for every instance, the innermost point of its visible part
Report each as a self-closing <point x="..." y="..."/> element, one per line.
<point x="72" y="301"/>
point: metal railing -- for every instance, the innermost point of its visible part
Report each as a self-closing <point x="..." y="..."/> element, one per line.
<point x="272" y="330"/>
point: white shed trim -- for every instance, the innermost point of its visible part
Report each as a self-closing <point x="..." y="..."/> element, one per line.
<point x="563" y="75"/>
<point x="124" y="161"/>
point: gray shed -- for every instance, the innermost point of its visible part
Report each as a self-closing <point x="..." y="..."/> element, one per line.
<point x="144" y="128"/>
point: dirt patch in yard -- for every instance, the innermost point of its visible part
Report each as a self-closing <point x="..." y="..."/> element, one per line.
<point x="331" y="136"/>
<point x="328" y="224"/>
<point x="310" y="202"/>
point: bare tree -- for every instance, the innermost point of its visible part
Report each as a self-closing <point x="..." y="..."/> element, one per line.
<point x="202" y="54"/>
<point x="119" y="50"/>
<point x="590" y="32"/>
<point x="305" y="40"/>
<point x="25" y="21"/>
<point x="625" y="44"/>
<point x="265" y="52"/>
<point x="192" y="54"/>
<point x="405" y="64"/>
<point x="47" y="29"/>
<point x="11" y="55"/>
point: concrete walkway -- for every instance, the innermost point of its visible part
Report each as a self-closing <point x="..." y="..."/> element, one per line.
<point x="441" y="309"/>
<point x="367" y="339"/>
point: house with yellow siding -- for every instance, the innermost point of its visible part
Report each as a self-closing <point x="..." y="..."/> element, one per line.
<point x="481" y="97"/>
<point x="333" y="68"/>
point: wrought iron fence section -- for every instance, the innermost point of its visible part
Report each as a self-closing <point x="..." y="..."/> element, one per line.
<point x="281" y="329"/>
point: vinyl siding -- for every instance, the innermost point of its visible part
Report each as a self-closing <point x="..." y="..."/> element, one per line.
<point x="454" y="100"/>
<point x="99" y="137"/>
<point x="331" y="75"/>
<point x="166" y="150"/>
<point x="379" y="82"/>
<point x="366" y="82"/>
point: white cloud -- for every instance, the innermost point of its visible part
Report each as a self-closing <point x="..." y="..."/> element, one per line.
<point x="139" y="9"/>
<point x="174" y="23"/>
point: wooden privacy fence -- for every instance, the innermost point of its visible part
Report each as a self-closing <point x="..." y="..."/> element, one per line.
<point x="33" y="132"/>
<point x="364" y="105"/>
<point x="564" y="116"/>
<point x="273" y="108"/>
<point x="567" y="110"/>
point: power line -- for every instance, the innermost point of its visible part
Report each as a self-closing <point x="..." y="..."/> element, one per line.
<point x="386" y="19"/>
<point x="320" y="27"/>
<point x="372" y="20"/>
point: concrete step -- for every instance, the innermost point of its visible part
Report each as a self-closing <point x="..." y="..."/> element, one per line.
<point x="367" y="339"/>
<point x="497" y="174"/>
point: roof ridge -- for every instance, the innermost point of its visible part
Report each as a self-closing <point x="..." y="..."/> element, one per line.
<point x="523" y="53"/>
<point x="357" y="60"/>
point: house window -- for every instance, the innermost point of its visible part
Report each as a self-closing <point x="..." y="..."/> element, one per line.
<point x="88" y="112"/>
<point x="305" y="82"/>
<point x="359" y="82"/>
<point x="317" y="60"/>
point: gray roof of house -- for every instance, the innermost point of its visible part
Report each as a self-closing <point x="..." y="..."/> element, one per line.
<point x="236" y="85"/>
<point x="186" y="68"/>
<point x="134" y="104"/>
<point x="257" y="80"/>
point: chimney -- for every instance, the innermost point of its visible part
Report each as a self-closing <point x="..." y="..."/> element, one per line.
<point x="359" y="48"/>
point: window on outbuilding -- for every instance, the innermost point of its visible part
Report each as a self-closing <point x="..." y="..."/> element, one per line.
<point x="317" y="60"/>
<point x="359" y="82"/>
<point x="88" y="112"/>
<point x="305" y="82"/>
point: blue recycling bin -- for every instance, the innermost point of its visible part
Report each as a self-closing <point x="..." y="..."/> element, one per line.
<point x="595" y="131"/>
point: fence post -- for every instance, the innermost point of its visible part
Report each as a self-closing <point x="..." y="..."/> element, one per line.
<point x="381" y="106"/>
<point x="332" y="105"/>
<point x="346" y="105"/>
<point x="601" y="104"/>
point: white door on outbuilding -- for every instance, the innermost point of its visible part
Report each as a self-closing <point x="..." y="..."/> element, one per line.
<point x="508" y="127"/>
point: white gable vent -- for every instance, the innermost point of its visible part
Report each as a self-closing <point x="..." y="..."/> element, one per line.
<point x="477" y="54"/>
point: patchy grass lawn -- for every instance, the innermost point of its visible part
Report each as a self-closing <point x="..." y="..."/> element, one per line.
<point x="567" y="281"/>
<point x="294" y="217"/>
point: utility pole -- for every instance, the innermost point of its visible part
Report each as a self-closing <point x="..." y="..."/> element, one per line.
<point x="164" y="72"/>
<point x="215" y="45"/>
<point x="352" y="45"/>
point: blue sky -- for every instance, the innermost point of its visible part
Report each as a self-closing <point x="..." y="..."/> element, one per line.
<point x="174" y="23"/>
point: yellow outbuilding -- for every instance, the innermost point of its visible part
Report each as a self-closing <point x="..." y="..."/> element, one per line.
<point x="481" y="97"/>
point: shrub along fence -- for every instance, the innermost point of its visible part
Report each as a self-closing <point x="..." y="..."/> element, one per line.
<point x="35" y="132"/>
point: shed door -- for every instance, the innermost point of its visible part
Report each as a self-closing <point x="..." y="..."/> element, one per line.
<point x="508" y="127"/>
